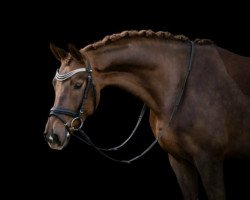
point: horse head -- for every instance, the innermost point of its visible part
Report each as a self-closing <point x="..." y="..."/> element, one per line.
<point x="75" y="96"/>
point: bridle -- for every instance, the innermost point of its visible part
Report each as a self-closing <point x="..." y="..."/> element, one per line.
<point x="78" y="116"/>
<point x="77" y="121"/>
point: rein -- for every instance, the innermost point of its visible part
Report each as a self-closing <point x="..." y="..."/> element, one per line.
<point x="77" y="116"/>
<point x="115" y="148"/>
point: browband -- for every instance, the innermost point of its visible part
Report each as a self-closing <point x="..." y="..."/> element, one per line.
<point x="63" y="77"/>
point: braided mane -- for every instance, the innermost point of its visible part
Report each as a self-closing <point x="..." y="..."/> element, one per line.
<point x="144" y="33"/>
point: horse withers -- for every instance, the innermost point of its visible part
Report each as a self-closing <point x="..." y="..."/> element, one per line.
<point x="197" y="92"/>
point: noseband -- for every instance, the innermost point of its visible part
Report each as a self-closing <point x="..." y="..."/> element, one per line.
<point x="77" y="121"/>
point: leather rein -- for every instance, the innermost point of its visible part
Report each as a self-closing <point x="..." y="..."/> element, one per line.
<point x="75" y="125"/>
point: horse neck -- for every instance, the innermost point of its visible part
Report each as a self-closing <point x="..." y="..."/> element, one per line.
<point x="149" y="69"/>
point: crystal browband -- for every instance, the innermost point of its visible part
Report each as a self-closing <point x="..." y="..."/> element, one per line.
<point x="63" y="77"/>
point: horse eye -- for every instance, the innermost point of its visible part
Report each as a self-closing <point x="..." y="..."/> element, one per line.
<point x="77" y="85"/>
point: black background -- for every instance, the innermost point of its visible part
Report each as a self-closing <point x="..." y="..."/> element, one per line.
<point x="78" y="169"/>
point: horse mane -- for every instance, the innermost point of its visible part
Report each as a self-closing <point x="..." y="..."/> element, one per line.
<point x="144" y="33"/>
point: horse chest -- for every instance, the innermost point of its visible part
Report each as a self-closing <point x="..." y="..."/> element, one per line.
<point x="168" y="139"/>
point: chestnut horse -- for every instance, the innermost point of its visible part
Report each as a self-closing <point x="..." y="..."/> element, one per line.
<point x="205" y="88"/>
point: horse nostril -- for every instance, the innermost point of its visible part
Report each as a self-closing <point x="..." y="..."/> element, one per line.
<point x="52" y="138"/>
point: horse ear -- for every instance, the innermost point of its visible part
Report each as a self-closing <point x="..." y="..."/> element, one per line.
<point x="75" y="53"/>
<point x="59" y="53"/>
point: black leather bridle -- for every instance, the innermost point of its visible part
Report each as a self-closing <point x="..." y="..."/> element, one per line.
<point x="78" y="116"/>
<point x="76" y="123"/>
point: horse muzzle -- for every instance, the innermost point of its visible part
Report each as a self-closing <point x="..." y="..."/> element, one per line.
<point x="54" y="142"/>
<point x="57" y="138"/>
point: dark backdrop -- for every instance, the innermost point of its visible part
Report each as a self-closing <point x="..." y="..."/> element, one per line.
<point x="78" y="169"/>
